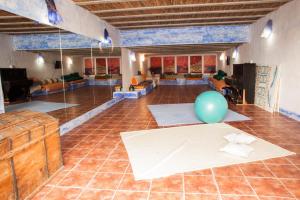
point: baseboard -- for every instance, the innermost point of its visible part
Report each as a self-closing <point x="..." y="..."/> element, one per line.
<point x="68" y="126"/>
<point x="290" y="114"/>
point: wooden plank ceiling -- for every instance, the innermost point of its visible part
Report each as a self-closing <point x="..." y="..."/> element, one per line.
<point x="183" y="49"/>
<point x="95" y="52"/>
<point x="147" y="50"/>
<point x="135" y="14"/>
<point x="14" y="24"/>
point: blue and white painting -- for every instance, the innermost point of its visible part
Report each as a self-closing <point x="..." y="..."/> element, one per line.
<point x="144" y="37"/>
<point x="185" y="35"/>
<point x="52" y="41"/>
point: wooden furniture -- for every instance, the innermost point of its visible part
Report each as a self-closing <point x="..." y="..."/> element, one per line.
<point x="243" y="79"/>
<point x="50" y="87"/>
<point x="218" y="84"/>
<point x="15" y="84"/>
<point x="30" y="152"/>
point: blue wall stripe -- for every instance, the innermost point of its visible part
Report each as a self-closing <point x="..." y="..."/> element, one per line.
<point x="141" y="37"/>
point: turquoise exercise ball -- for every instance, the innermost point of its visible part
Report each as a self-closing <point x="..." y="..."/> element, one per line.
<point x="211" y="107"/>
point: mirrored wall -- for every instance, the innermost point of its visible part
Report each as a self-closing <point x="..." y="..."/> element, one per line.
<point x="46" y="69"/>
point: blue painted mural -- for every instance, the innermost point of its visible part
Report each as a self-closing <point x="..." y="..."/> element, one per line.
<point x="185" y="35"/>
<point x="143" y="37"/>
<point x="52" y="41"/>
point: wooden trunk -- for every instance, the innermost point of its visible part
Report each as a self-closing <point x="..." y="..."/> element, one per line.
<point x="30" y="152"/>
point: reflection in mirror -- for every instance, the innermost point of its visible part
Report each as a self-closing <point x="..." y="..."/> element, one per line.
<point x="89" y="75"/>
<point x="29" y="73"/>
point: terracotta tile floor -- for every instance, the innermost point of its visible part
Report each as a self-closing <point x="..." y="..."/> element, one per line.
<point x="87" y="97"/>
<point x="97" y="167"/>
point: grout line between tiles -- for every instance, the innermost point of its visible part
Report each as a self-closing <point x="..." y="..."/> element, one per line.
<point x="215" y="181"/>
<point x="279" y="180"/>
<point x="119" y="184"/>
<point x="183" y="186"/>
<point x="149" y="191"/>
<point x="248" y="182"/>
<point x="99" y="166"/>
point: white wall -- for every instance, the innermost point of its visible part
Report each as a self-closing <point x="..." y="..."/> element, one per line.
<point x="24" y="59"/>
<point x="281" y="49"/>
<point x="128" y="67"/>
<point x="27" y="60"/>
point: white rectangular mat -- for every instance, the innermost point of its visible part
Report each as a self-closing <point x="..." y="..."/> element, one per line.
<point x="183" y="113"/>
<point x="162" y="152"/>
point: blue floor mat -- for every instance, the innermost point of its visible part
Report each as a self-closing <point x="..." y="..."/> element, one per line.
<point x="38" y="106"/>
<point x="179" y="114"/>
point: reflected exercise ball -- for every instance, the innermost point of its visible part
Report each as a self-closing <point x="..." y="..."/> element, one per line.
<point x="211" y="107"/>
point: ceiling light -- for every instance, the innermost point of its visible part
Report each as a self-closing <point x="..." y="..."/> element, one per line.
<point x="132" y="57"/>
<point x="222" y="57"/>
<point x="70" y="61"/>
<point x="40" y="59"/>
<point x="266" y="33"/>
<point x="142" y="57"/>
<point x="235" y="53"/>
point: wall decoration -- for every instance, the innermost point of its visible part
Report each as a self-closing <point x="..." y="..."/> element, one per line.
<point x="210" y="64"/>
<point x="182" y="64"/>
<point x="143" y="37"/>
<point x="155" y="65"/>
<point x="267" y="88"/>
<point x="88" y="66"/>
<point x="101" y="65"/>
<point x="186" y="35"/>
<point x="113" y="65"/>
<point x="53" y="15"/>
<point x="51" y="41"/>
<point x="169" y="64"/>
<point x="196" y="64"/>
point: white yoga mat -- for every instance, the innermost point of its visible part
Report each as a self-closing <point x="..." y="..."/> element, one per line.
<point x="38" y="106"/>
<point x="163" y="152"/>
<point x="179" y="114"/>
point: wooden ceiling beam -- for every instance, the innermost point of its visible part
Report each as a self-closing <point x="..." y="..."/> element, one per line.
<point x="15" y="23"/>
<point x="27" y="32"/>
<point x="180" y="6"/>
<point x="189" y="13"/>
<point x="186" y="24"/>
<point x="10" y="17"/>
<point x="186" y="19"/>
<point x="179" y="48"/>
<point x="186" y="47"/>
<point x="180" y="52"/>
<point x="95" y="2"/>
<point x="27" y="28"/>
<point x="183" y="49"/>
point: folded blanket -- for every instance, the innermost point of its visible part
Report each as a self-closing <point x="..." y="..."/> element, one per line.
<point x="240" y="138"/>
<point x="241" y="150"/>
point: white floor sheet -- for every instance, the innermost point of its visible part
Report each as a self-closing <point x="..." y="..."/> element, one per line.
<point x="162" y="152"/>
